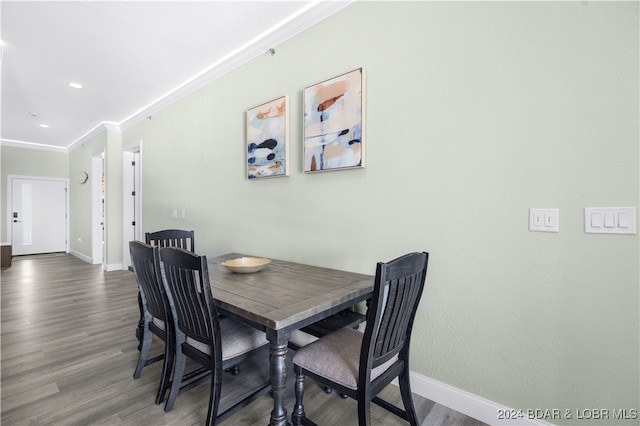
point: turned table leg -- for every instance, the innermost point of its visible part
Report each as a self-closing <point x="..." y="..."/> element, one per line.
<point x="278" y="375"/>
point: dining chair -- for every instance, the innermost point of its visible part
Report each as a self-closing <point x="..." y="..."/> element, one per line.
<point x="360" y="365"/>
<point x="201" y="335"/>
<point x="171" y="238"/>
<point x="156" y="313"/>
<point x="183" y="239"/>
<point x="164" y="238"/>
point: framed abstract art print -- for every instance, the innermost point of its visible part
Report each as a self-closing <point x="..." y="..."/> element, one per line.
<point x="267" y="139"/>
<point x="334" y="123"/>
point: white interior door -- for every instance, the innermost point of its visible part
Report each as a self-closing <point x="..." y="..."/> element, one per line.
<point x="38" y="216"/>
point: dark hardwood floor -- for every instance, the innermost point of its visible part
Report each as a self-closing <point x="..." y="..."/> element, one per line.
<point x="68" y="351"/>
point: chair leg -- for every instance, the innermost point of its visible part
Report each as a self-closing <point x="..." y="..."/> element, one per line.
<point x="165" y="378"/>
<point x="214" y="396"/>
<point x="364" y="412"/>
<point x="145" y="346"/>
<point x="298" y="415"/>
<point x="140" y="329"/>
<point x="407" y="398"/>
<point x="178" y="373"/>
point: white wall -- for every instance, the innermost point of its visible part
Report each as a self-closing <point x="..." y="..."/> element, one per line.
<point x="476" y="112"/>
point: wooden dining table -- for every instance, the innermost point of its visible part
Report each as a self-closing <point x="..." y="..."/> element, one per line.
<point x="283" y="297"/>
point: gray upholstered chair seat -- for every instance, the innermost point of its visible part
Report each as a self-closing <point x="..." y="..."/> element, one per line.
<point x="336" y="357"/>
<point x="159" y="323"/>
<point x="237" y="339"/>
<point x="299" y="338"/>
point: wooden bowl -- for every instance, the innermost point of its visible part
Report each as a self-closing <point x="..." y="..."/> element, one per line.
<point x="246" y="265"/>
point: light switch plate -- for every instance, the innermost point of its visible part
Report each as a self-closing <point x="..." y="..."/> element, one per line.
<point x="544" y="220"/>
<point x="610" y="220"/>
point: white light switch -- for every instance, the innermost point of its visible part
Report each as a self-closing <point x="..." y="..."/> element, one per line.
<point x="549" y="220"/>
<point x="624" y="220"/>
<point x="538" y="219"/>
<point x="544" y="220"/>
<point x="610" y="220"/>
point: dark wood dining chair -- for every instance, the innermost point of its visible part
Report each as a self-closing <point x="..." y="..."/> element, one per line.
<point x="360" y="365"/>
<point x="213" y="342"/>
<point x="164" y="238"/>
<point x="155" y="309"/>
<point x="172" y="238"/>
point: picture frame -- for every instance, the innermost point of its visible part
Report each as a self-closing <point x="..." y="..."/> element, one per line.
<point x="334" y="123"/>
<point x="268" y="139"/>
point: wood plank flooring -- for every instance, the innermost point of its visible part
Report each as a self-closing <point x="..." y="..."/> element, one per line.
<point x="68" y="351"/>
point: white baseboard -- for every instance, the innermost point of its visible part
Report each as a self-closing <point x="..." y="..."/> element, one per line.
<point x="109" y="267"/>
<point x="469" y="404"/>
<point x="113" y="267"/>
<point x="80" y="256"/>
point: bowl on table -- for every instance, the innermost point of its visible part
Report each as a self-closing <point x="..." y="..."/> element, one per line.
<point x="246" y="265"/>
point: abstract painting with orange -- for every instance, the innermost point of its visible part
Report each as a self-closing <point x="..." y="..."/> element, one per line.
<point x="334" y="123"/>
<point x="267" y="134"/>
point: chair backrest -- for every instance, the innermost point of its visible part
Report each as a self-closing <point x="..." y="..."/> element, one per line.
<point x="397" y="291"/>
<point x="172" y="238"/>
<point x="186" y="279"/>
<point x="146" y="271"/>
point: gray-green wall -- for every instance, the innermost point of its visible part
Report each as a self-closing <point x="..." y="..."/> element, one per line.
<point x="476" y="112"/>
<point x="27" y="162"/>
<point x="109" y="144"/>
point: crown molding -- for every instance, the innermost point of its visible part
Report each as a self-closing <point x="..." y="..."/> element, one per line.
<point x="105" y="125"/>
<point x="32" y="145"/>
<point x="316" y="12"/>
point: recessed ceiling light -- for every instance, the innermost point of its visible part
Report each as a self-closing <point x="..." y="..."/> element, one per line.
<point x="44" y="125"/>
<point x="75" y="85"/>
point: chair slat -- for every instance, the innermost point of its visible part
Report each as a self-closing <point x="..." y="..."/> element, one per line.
<point x="172" y="238"/>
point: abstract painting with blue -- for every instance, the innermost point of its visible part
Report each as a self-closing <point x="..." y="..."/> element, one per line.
<point x="334" y="123"/>
<point x="267" y="134"/>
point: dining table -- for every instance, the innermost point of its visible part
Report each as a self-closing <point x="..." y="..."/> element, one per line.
<point x="281" y="298"/>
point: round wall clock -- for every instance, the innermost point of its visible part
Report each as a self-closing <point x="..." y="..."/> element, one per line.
<point x="82" y="177"/>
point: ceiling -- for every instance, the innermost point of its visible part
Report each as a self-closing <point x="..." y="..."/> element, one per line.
<point x="133" y="58"/>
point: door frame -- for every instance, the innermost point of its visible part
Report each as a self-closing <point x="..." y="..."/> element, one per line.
<point x="98" y="231"/>
<point x="131" y="206"/>
<point x="10" y="179"/>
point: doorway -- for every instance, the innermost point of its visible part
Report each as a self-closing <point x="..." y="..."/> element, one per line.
<point x="98" y="210"/>
<point x="38" y="215"/>
<point x="132" y="201"/>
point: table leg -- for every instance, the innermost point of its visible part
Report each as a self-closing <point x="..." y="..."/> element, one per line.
<point x="278" y="374"/>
